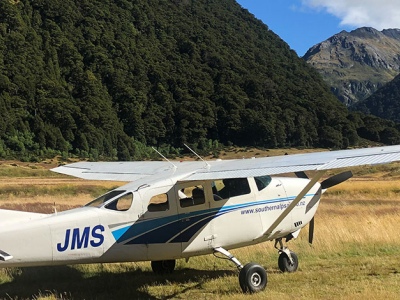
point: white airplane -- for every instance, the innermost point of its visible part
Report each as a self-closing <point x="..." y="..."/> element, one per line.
<point x="173" y="210"/>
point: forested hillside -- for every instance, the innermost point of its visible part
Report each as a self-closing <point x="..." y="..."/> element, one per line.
<point x="102" y="78"/>
<point x="384" y="103"/>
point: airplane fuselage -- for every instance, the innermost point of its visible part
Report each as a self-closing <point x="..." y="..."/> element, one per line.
<point x="164" y="220"/>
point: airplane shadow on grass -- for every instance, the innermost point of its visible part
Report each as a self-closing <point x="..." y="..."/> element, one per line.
<point x="66" y="282"/>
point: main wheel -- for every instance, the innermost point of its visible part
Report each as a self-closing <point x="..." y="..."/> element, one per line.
<point x="284" y="262"/>
<point x="163" y="266"/>
<point x="252" y="278"/>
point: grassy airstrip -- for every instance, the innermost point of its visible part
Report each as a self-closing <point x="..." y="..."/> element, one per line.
<point x="355" y="255"/>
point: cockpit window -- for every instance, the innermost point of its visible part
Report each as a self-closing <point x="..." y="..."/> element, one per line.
<point x="122" y="203"/>
<point x="262" y="182"/>
<point x="98" y="202"/>
<point x="232" y="187"/>
<point x="158" y="203"/>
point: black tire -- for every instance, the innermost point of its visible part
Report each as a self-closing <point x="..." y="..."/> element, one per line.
<point x="252" y="278"/>
<point x="284" y="262"/>
<point x="163" y="266"/>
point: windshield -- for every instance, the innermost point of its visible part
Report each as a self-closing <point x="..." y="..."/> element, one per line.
<point x="262" y="181"/>
<point x="98" y="202"/>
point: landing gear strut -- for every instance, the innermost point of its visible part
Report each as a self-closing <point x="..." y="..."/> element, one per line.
<point x="252" y="277"/>
<point x="287" y="260"/>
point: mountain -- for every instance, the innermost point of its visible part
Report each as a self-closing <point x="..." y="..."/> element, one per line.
<point x="355" y="64"/>
<point x="105" y="78"/>
<point x="384" y="103"/>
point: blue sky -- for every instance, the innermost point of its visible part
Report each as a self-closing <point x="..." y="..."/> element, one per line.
<point x="304" y="23"/>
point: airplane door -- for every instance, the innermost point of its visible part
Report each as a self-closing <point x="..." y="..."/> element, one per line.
<point x="160" y="223"/>
<point x="193" y="206"/>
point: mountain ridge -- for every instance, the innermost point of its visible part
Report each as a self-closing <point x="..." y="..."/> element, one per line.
<point x="384" y="103"/>
<point x="355" y="64"/>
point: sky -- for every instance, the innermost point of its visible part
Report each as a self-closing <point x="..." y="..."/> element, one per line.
<point x="304" y="23"/>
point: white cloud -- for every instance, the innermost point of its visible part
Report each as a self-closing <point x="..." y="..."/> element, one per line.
<point x="380" y="14"/>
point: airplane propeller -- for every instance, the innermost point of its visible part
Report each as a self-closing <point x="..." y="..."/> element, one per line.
<point x="331" y="181"/>
<point x="311" y="231"/>
<point x="336" y="179"/>
<point x="326" y="184"/>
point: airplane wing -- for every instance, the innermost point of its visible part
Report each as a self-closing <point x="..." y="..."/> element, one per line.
<point x="239" y="168"/>
<point x="299" y="162"/>
<point x="125" y="171"/>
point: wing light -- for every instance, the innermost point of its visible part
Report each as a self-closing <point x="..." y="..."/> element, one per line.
<point x="5" y="256"/>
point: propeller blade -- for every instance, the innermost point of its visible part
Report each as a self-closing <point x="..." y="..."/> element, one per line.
<point x="311" y="231"/>
<point x="336" y="179"/>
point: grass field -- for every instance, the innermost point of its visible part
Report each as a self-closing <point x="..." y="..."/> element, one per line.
<point x="355" y="255"/>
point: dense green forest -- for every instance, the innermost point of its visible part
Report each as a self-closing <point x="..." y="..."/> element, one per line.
<point x="384" y="103"/>
<point x="106" y="78"/>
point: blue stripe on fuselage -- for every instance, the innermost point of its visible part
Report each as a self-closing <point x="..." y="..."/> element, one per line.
<point x="170" y="229"/>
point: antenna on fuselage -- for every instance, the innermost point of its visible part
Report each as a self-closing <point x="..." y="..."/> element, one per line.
<point x="191" y="150"/>
<point x="159" y="153"/>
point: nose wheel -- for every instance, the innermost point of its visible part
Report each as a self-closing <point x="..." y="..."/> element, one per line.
<point x="287" y="260"/>
<point x="287" y="265"/>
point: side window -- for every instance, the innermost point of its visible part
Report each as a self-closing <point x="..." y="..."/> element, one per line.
<point x="227" y="188"/>
<point x="123" y="203"/>
<point x="193" y="195"/>
<point x="158" y="203"/>
<point x="262" y="182"/>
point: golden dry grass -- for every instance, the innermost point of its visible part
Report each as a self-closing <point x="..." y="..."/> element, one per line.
<point x="43" y="194"/>
<point x="355" y="255"/>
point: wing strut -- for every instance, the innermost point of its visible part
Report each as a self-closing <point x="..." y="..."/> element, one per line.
<point x="159" y="153"/>
<point x="292" y="205"/>
<point x="191" y="150"/>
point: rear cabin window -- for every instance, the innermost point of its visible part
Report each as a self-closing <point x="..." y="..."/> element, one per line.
<point x="158" y="203"/>
<point x="232" y="187"/>
<point x="191" y="196"/>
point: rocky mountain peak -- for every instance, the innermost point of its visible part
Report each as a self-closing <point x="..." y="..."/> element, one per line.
<point x="366" y="32"/>
<point x="355" y="64"/>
